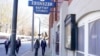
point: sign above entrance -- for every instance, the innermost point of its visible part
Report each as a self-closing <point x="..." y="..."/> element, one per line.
<point x="42" y="6"/>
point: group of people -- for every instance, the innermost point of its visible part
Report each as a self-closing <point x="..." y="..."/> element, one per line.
<point x="37" y="44"/>
<point x="43" y="46"/>
<point x="7" y="45"/>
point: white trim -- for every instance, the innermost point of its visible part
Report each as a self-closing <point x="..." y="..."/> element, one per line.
<point x="91" y="55"/>
<point x="86" y="39"/>
<point x="80" y="52"/>
<point x="94" y="19"/>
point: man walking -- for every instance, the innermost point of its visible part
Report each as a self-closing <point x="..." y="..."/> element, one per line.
<point x="18" y="44"/>
<point x="43" y="46"/>
<point x="36" y="46"/>
<point x="7" y="43"/>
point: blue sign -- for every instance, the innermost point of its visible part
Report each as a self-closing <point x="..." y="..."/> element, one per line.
<point x="42" y="6"/>
<point x="30" y="3"/>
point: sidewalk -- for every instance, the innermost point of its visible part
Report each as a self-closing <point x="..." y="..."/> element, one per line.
<point x="30" y="53"/>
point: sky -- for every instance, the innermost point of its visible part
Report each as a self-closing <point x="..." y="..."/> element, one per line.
<point x="23" y="8"/>
<point x="23" y="5"/>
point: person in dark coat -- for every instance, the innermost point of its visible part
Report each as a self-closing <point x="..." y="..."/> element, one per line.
<point x="7" y="43"/>
<point x="18" y="44"/>
<point x="43" y="46"/>
<point x="36" y="46"/>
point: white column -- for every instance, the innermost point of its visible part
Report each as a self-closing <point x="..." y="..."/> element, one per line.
<point x="52" y="42"/>
<point x="63" y="14"/>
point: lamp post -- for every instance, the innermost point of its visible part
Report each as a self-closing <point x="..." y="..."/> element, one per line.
<point x="14" y="26"/>
<point x="32" y="29"/>
<point x="39" y="27"/>
<point x="30" y="3"/>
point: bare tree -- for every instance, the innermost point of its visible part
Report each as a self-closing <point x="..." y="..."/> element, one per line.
<point x="5" y="15"/>
<point x="24" y="24"/>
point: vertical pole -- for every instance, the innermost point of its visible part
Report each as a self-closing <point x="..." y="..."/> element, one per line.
<point x="32" y="28"/>
<point x="39" y="28"/>
<point x="14" y="26"/>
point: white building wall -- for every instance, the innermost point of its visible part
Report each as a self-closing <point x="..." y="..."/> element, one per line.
<point x="53" y="39"/>
<point x="52" y="42"/>
<point x="63" y="13"/>
<point x="81" y="7"/>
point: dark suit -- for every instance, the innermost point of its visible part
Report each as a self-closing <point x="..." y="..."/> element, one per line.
<point x="36" y="46"/>
<point x="18" y="44"/>
<point x="7" y="43"/>
<point x="43" y="46"/>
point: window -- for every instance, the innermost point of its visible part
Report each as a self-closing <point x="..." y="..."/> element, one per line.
<point x="81" y="38"/>
<point x="57" y="41"/>
<point x="98" y="37"/>
<point x="71" y="32"/>
<point x="94" y="37"/>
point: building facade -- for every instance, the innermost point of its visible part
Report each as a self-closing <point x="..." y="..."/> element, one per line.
<point x="85" y="29"/>
<point x="87" y="18"/>
<point x="54" y="28"/>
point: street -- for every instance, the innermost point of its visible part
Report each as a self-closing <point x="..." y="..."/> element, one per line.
<point x="24" y="48"/>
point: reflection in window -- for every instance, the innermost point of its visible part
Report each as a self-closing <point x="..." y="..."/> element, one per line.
<point x="94" y="37"/>
<point x="68" y="36"/>
<point x="81" y="38"/>
<point x="98" y="37"/>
